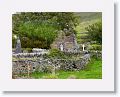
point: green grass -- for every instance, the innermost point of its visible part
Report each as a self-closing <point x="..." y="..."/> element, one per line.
<point x="92" y="71"/>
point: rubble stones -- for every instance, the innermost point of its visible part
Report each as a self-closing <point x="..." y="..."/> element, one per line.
<point x="47" y="65"/>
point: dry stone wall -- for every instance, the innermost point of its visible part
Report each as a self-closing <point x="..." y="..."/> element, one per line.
<point x="23" y="66"/>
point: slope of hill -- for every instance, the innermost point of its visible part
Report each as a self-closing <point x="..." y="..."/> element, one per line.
<point x="86" y="19"/>
<point x="87" y="16"/>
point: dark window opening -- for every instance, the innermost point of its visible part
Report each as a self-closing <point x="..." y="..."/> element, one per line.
<point x="23" y="66"/>
<point x="33" y="67"/>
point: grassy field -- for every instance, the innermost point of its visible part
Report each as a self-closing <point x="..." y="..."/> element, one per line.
<point x="92" y="71"/>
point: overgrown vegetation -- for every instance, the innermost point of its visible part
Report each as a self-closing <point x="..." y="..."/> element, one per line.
<point x="41" y="35"/>
<point x="39" y="29"/>
<point x="95" y="32"/>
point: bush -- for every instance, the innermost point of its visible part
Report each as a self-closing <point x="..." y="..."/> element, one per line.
<point x="95" y="31"/>
<point x="95" y="47"/>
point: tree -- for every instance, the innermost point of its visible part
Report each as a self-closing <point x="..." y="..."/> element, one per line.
<point x="40" y="28"/>
<point x="95" y="31"/>
<point x="41" y="34"/>
<point x="62" y="20"/>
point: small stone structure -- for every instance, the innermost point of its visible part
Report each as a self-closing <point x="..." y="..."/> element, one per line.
<point x="38" y="50"/>
<point x="65" y="43"/>
<point x="24" y="63"/>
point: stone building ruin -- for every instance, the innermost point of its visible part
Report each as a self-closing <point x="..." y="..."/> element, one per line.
<point x="65" y="43"/>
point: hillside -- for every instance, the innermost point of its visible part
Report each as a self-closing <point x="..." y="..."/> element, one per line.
<point x="86" y="19"/>
<point x="88" y="16"/>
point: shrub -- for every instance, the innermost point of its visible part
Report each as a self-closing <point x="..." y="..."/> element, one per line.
<point x="95" y="47"/>
<point x="95" y="31"/>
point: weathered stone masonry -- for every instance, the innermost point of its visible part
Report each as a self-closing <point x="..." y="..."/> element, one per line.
<point x="41" y="65"/>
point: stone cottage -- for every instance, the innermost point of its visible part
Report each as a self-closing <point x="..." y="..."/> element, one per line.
<point x="65" y="43"/>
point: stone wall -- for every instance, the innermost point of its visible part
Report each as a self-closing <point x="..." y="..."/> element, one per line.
<point x="96" y="54"/>
<point x="24" y="66"/>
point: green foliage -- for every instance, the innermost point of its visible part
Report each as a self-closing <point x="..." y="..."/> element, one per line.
<point x="95" y="47"/>
<point x="55" y="53"/>
<point x="92" y="71"/>
<point x="67" y="20"/>
<point x="39" y="29"/>
<point x="38" y="33"/>
<point x="95" y="31"/>
<point x="36" y="73"/>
